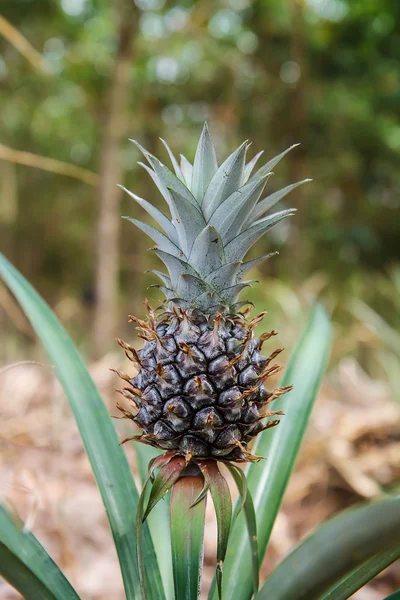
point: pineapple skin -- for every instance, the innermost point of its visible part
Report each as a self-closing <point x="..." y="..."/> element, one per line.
<point x="200" y="389"/>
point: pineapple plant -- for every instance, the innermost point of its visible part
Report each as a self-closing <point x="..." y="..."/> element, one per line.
<point x="204" y="335"/>
<point x="200" y="393"/>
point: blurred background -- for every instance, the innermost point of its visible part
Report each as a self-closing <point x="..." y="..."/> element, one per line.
<point x="78" y="78"/>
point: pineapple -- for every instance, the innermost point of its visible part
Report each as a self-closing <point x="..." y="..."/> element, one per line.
<point x="200" y="392"/>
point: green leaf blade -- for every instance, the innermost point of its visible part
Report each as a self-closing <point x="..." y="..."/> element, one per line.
<point x="187" y="536"/>
<point x="204" y="166"/>
<point x="246" y="502"/>
<point x="107" y="458"/>
<point x="221" y="497"/>
<point x="335" y="549"/>
<point x="268" y="479"/>
<point x="13" y="569"/>
<point x="356" y="580"/>
<point x="158" y="520"/>
<point x="27" y="549"/>
<point x="165" y="479"/>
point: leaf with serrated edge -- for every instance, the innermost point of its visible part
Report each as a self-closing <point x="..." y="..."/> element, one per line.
<point x="204" y="166"/>
<point x="189" y="286"/>
<point x="169" y="293"/>
<point x="241" y="244"/>
<point x="162" y="189"/>
<point x="250" y="166"/>
<point x="230" y="294"/>
<point x="226" y="180"/>
<point x="262" y="207"/>
<point x="157" y="215"/>
<point x="225" y="276"/>
<point x="271" y="164"/>
<point x="229" y="217"/>
<point x="189" y="221"/>
<point x="159" y="238"/>
<point x="175" y="266"/>
<point x="174" y="162"/>
<point x="207" y="253"/>
<point x="163" y="276"/>
<point x="336" y="548"/>
<point x="249" y="264"/>
<point x="187" y="170"/>
<point x="166" y="178"/>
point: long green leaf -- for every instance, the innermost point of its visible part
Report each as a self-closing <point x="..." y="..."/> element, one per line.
<point x="246" y="501"/>
<point x="268" y="479"/>
<point x="222" y="500"/>
<point x="356" y="580"/>
<point x="187" y="535"/>
<point x="30" y="586"/>
<point x="26" y="547"/>
<point x="158" y="521"/>
<point x="394" y="596"/>
<point x="335" y="549"/>
<point x="107" y="458"/>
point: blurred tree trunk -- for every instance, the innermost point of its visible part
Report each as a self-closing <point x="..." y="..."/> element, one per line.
<point x="298" y="132"/>
<point x="108" y="194"/>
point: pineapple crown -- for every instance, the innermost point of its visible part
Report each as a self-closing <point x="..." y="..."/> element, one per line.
<point x="216" y="217"/>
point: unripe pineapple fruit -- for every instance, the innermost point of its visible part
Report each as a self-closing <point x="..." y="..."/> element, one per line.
<point x="200" y="390"/>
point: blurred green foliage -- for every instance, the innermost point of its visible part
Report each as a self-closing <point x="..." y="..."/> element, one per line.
<point x="322" y="72"/>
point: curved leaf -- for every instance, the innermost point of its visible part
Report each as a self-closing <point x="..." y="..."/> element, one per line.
<point x="176" y="267"/>
<point x="174" y="162"/>
<point x="107" y="458"/>
<point x="27" y="548"/>
<point x="159" y="238"/>
<point x="164" y="481"/>
<point x="207" y="253"/>
<point x="229" y="217"/>
<point x="187" y="535"/>
<point x="157" y="215"/>
<point x="246" y="501"/>
<point x="268" y="479"/>
<point x="237" y="248"/>
<point x="158" y="520"/>
<point x="187" y="170"/>
<point x="221" y="497"/>
<point x="394" y="596"/>
<point x="165" y="178"/>
<point x="270" y="201"/>
<point x="334" y="550"/>
<point x="188" y="221"/>
<point x="21" y="577"/>
<point x="250" y="166"/>
<point x="349" y="586"/>
<point x="204" y="166"/>
<point x="226" y="180"/>
<point x="271" y="163"/>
